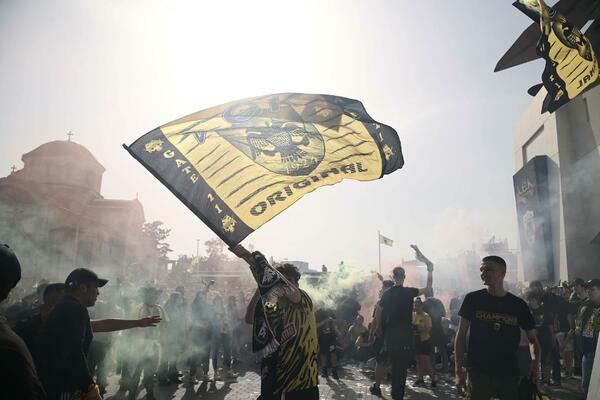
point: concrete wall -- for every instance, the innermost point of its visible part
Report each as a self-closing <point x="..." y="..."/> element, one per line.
<point x="579" y="144"/>
<point x="570" y="137"/>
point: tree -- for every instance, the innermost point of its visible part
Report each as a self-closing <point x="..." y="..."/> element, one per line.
<point x="155" y="232"/>
<point x="214" y="248"/>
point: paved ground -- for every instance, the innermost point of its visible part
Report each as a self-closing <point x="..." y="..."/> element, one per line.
<point x="354" y="384"/>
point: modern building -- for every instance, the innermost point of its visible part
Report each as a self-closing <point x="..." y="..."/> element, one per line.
<point x="53" y="214"/>
<point x="557" y="189"/>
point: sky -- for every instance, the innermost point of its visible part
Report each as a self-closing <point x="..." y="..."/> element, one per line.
<point x="113" y="70"/>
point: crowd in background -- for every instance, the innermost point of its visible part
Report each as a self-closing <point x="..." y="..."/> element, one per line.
<point x="202" y="335"/>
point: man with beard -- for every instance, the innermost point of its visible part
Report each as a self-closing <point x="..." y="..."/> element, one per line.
<point x="68" y="334"/>
<point x="18" y="377"/>
<point x="494" y="319"/>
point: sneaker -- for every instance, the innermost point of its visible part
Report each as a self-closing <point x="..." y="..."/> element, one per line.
<point x="375" y="390"/>
<point x="555" y="383"/>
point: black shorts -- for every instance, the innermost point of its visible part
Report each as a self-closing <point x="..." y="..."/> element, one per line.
<point x="379" y="351"/>
<point x="327" y="344"/>
<point x="423" y="348"/>
<point x="305" y="394"/>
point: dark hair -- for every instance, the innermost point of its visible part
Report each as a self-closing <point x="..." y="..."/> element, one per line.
<point x="536" y="284"/>
<point x="399" y="273"/>
<point x="290" y="270"/>
<point x="532" y="296"/>
<point x="52" y="289"/>
<point x="497" y="260"/>
<point x="10" y="268"/>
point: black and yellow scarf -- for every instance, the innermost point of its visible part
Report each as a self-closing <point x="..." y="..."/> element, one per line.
<point x="271" y="286"/>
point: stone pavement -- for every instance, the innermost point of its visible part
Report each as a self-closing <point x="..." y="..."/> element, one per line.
<point x="353" y="384"/>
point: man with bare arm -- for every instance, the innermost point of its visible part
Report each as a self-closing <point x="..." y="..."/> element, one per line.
<point x="494" y="319"/>
<point x="290" y="372"/>
<point x="394" y="321"/>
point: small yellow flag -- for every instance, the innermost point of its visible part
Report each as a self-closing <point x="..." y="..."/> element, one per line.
<point x="386" y="241"/>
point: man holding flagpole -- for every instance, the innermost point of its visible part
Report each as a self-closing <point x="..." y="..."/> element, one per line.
<point x="284" y="330"/>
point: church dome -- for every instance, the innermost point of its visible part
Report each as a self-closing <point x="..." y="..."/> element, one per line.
<point x="62" y="149"/>
<point x="63" y="162"/>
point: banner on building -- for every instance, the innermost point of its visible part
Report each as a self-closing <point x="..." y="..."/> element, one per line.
<point x="238" y="165"/>
<point x="571" y="62"/>
<point x="533" y="213"/>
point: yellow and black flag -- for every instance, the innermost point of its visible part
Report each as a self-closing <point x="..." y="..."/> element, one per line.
<point x="240" y="164"/>
<point x="571" y="62"/>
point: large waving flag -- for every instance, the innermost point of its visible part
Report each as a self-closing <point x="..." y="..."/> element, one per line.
<point x="571" y="60"/>
<point x="238" y="165"/>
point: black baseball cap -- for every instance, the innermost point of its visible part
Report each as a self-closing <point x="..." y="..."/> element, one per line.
<point x="593" y="283"/>
<point x="84" y="275"/>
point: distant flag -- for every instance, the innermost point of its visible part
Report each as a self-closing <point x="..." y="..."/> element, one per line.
<point x="238" y="165"/>
<point x="386" y="241"/>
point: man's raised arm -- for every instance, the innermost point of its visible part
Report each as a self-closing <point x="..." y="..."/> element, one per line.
<point x="423" y="259"/>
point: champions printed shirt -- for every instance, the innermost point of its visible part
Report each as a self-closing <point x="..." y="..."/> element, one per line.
<point x="296" y="358"/>
<point x="495" y="331"/>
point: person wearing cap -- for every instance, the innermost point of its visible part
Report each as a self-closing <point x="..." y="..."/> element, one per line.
<point x="587" y="328"/>
<point x="394" y="321"/>
<point x="67" y="336"/>
<point x="556" y="307"/>
<point x="492" y="319"/>
<point x="18" y="376"/>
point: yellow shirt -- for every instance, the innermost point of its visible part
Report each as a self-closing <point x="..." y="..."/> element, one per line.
<point x="423" y="324"/>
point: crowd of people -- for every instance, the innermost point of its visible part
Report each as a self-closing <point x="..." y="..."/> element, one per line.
<point x="499" y="342"/>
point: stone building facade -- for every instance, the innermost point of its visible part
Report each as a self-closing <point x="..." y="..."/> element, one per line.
<point x="53" y="214"/>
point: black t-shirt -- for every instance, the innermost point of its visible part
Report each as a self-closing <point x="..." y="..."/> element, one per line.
<point x="30" y="330"/>
<point x="590" y="327"/>
<point x="559" y="308"/>
<point x="397" y="306"/>
<point x="328" y="328"/>
<point x="495" y="331"/>
<point x="66" y="339"/>
<point x="543" y="321"/>
<point x="18" y="377"/>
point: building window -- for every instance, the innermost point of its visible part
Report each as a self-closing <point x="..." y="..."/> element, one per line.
<point x="534" y="146"/>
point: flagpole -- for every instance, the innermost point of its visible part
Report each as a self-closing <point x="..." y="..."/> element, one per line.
<point x="379" y="245"/>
